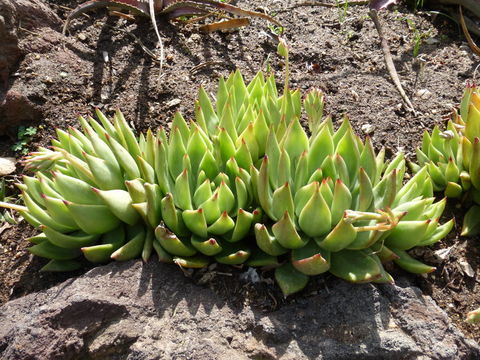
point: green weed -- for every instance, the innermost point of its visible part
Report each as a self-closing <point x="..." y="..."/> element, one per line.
<point x="24" y="136"/>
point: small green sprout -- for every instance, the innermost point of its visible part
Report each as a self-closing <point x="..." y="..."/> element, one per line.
<point x="24" y="137"/>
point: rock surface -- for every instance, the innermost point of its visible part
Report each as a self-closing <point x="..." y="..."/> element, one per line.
<point x="29" y="16"/>
<point x="135" y="311"/>
<point x="9" y="50"/>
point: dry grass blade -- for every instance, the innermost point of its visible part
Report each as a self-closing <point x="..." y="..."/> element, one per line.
<point x="238" y="11"/>
<point x="472" y="5"/>
<point x="336" y="5"/>
<point x="470" y="41"/>
<point x="138" y="41"/>
<point x="225" y="25"/>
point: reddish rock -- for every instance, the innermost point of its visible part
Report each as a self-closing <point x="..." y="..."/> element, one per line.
<point x="31" y="14"/>
<point x="16" y="110"/>
<point x="35" y="14"/>
<point x="15" y="107"/>
<point x="9" y="50"/>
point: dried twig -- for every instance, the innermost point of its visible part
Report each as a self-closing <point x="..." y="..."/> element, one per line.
<point x="389" y="61"/>
<point x="472" y="45"/>
<point x="225" y="25"/>
<point x="151" y="6"/>
<point x="329" y="5"/>
<point x="139" y="42"/>
<point x="203" y="65"/>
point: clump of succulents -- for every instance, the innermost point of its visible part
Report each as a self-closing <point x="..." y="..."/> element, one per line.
<point x="334" y="205"/>
<point x="452" y="159"/>
<point x="243" y="184"/>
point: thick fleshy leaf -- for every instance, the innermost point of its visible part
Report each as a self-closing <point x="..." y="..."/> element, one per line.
<point x="233" y="254"/>
<point x="282" y="201"/>
<point x="171" y="243"/>
<point x="341" y="236"/>
<point x="311" y="259"/>
<point x="354" y="266"/>
<point x="289" y="279"/>
<point x="267" y="242"/>
<point x="471" y="222"/>
<point x="315" y="219"/>
<point x="286" y="233"/>
<point x="408" y="263"/>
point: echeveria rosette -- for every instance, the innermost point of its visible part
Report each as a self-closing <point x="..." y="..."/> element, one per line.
<point x="334" y="205"/>
<point x="246" y="112"/>
<point x="78" y="198"/>
<point x="190" y="186"/>
<point x="105" y="176"/>
<point x="452" y="158"/>
<point x="202" y="195"/>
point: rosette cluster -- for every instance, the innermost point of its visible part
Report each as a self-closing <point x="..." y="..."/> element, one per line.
<point x="242" y="184"/>
<point x="452" y="159"/>
<point x="335" y="205"/>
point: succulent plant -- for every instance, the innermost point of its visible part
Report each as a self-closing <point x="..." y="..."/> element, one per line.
<point x="334" y="205"/>
<point x="452" y="157"/>
<point x="78" y="197"/>
<point x="109" y="194"/>
<point x="244" y="183"/>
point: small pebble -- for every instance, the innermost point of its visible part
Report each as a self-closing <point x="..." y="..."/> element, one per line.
<point x="431" y="41"/>
<point x="172" y="103"/>
<point x="424" y="93"/>
<point x="355" y="95"/>
<point x="443" y="254"/>
<point x="368" y="128"/>
<point x="466" y="268"/>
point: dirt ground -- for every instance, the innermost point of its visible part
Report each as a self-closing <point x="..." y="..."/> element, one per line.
<point x="100" y="64"/>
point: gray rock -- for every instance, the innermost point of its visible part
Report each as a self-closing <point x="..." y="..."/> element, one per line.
<point x="135" y="311"/>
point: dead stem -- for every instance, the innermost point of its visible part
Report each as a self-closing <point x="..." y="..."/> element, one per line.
<point x="155" y="27"/>
<point x="203" y="65"/>
<point x="322" y="4"/>
<point x="139" y="42"/>
<point x="389" y="61"/>
<point x="13" y="206"/>
<point x="472" y="45"/>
